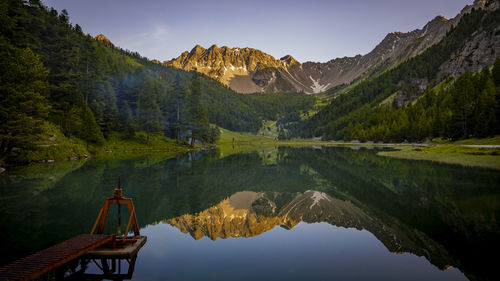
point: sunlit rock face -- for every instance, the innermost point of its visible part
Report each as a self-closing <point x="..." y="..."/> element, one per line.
<point x="248" y="70"/>
<point x="103" y="39"/>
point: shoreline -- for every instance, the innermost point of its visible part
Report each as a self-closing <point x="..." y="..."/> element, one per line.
<point x="470" y="153"/>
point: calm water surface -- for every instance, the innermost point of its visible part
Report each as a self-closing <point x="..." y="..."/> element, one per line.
<point x="276" y="214"/>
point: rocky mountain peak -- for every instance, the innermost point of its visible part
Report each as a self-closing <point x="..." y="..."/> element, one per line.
<point x="288" y="60"/>
<point x="443" y="19"/>
<point x="480" y="3"/>
<point x="224" y="63"/>
<point x="391" y="36"/>
<point x="490" y="5"/>
<point x="437" y="21"/>
<point x="436" y="27"/>
<point x="214" y="47"/>
<point x="103" y="39"/>
<point x="197" y="50"/>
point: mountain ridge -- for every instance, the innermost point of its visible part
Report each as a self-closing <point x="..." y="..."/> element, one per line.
<point x="248" y="70"/>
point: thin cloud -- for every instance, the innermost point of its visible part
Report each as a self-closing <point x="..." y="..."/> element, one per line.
<point x="151" y="43"/>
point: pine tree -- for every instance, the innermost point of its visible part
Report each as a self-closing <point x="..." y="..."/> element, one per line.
<point x="198" y="113"/>
<point x="148" y="111"/>
<point x="214" y="134"/>
<point x="177" y="109"/>
<point x="126" y="119"/>
<point x="89" y="130"/>
<point x="463" y="96"/>
<point x="496" y="72"/>
<point x="23" y="105"/>
<point x="485" y="123"/>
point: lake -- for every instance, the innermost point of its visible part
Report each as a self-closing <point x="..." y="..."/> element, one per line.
<point x="315" y="213"/>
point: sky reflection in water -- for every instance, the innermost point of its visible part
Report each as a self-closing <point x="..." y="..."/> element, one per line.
<point x="316" y="251"/>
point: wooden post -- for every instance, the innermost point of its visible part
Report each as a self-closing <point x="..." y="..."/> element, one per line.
<point x="117" y="199"/>
<point x="101" y="218"/>
<point x="105" y="210"/>
<point x="131" y="210"/>
<point x="95" y="224"/>
<point x="119" y="220"/>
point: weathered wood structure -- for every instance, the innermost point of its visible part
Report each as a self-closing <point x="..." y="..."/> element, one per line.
<point x="119" y="200"/>
<point x="87" y="247"/>
<point x="46" y="260"/>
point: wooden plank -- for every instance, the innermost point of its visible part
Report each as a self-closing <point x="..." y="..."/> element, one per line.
<point x="131" y="216"/>
<point x="95" y="224"/>
<point x="105" y="210"/>
<point x="127" y="250"/>
<point x="131" y="210"/>
<point x="46" y="260"/>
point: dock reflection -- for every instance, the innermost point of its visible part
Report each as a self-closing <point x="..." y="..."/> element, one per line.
<point x="103" y="268"/>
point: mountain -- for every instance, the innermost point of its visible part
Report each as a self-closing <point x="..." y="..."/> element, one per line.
<point x="447" y="90"/>
<point x="478" y="51"/>
<point x="248" y="70"/>
<point x="245" y="70"/>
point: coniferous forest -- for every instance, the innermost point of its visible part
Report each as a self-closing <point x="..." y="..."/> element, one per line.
<point x="466" y="107"/>
<point x="454" y="108"/>
<point x="53" y="75"/>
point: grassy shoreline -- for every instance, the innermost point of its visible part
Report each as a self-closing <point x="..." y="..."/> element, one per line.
<point x="461" y="152"/>
<point x="52" y="146"/>
<point x="469" y="152"/>
<point x="449" y="154"/>
<point x="443" y="151"/>
<point x="120" y="146"/>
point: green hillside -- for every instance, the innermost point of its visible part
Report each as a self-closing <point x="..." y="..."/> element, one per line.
<point x="469" y="108"/>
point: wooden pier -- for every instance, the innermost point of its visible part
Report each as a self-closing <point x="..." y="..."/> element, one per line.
<point x="46" y="260"/>
<point x="86" y="246"/>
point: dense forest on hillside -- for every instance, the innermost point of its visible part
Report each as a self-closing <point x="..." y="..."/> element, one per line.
<point x="52" y="73"/>
<point x="467" y="109"/>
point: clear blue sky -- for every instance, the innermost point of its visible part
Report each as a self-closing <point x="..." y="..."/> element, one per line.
<point x="309" y="30"/>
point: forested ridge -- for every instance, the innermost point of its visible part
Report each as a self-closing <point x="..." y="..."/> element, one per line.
<point x="469" y="108"/>
<point x="52" y="73"/>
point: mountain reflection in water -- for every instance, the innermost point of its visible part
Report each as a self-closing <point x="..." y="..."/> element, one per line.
<point x="247" y="214"/>
<point x="445" y="213"/>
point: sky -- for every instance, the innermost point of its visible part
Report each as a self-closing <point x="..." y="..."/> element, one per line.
<point x="308" y="30"/>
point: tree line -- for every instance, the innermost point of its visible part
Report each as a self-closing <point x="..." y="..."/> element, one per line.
<point x="465" y="107"/>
